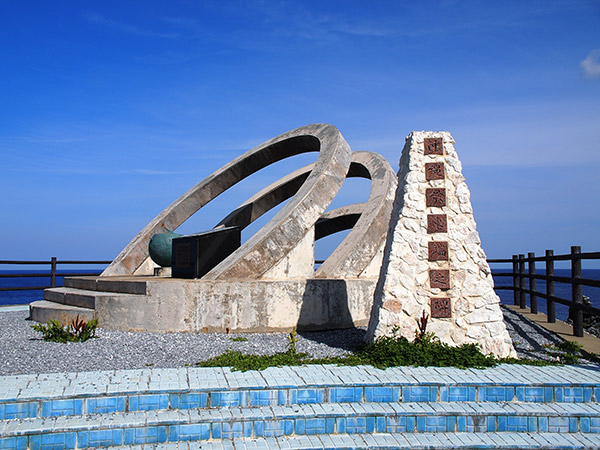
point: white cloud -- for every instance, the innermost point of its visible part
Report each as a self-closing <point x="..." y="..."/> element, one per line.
<point x="591" y="64"/>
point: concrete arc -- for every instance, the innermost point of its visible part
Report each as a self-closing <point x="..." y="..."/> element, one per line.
<point x="360" y="246"/>
<point x="276" y="239"/>
<point x="267" y="198"/>
<point x="338" y="219"/>
<point x="283" y="231"/>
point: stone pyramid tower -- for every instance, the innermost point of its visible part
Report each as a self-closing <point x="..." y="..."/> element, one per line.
<point x="433" y="261"/>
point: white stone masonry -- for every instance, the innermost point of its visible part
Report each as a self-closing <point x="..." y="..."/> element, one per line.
<point x="433" y="260"/>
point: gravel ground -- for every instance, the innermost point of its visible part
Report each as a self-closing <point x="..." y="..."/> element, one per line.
<point x="23" y="351"/>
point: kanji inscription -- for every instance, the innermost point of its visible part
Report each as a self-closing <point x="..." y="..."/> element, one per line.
<point x="440" y="308"/>
<point x="435" y="197"/>
<point x="434" y="171"/>
<point x="437" y="223"/>
<point x="434" y="146"/>
<point x="439" y="279"/>
<point x="438" y="251"/>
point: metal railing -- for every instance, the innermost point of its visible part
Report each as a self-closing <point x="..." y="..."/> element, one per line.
<point x="520" y="290"/>
<point x="52" y="274"/>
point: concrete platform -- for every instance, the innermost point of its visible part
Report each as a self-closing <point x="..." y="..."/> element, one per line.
<point x="157" y="304"/>
<point x="590" y="343"/>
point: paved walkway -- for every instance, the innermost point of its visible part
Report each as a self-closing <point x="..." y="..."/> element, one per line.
<point x="590" y="343"/>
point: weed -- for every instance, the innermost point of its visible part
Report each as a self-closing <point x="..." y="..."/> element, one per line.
<point x="570" y="346"/>
<point x="239" y="339"/>
<point x="77" y="331"/>
<point x="292" y="339"/>
<point x="385" y="351"/>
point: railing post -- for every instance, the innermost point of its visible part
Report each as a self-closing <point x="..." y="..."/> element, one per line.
<point x="532" y="283"/>
<point x="576" y="291"/>
<point x="522" y="294"/>
<point x="516" y="283"/>
<point x="551" y="306"/>
<point x="53" y="272"/>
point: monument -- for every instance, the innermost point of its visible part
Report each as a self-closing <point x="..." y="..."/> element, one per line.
<point x="269" y="282"/>
<point x="433" y="262"/>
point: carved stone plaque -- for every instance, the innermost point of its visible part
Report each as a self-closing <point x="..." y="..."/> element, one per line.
<point x="434" y="171"/>
<point x="437" y="223"/>
<point x="438" y="251"/>
<point x="434" y="146"/>
<point x="440" y="308"/>
<point x="435" y="197"/>
<point x="439" y="279"/>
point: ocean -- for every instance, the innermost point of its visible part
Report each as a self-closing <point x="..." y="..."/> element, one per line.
<point x="563" y="290"/>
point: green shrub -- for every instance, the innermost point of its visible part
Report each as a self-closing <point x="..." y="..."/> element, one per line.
<point x="77" y="331"/>
<point x="385" y="351"/>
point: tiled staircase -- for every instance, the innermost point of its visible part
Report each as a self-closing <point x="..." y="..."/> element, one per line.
<point x="309" y="407"/>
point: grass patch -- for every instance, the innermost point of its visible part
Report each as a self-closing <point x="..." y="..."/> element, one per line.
<point x="239" y="339"/>
<point x="386" y="351"/>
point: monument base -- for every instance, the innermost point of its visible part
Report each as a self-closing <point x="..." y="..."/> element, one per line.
<point x="180" y="305"/>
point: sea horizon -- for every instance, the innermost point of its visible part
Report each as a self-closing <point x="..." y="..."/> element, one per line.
<point x="563" y="290"/>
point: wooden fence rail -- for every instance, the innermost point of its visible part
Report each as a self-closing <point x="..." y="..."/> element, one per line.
<point x="520" y="290"/>
<point x="519" y="274"/>
<point x="54" y="262"/>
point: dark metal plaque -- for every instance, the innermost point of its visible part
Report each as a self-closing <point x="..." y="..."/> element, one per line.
<point x="196" y="254"/>
<point x="438" y="251"/>
<point x="434" y="146"/>
<point x="440" y="308"/>
<point x="435" y="197"/>
<point x="439" y="279"/>
<point x="182" y="255"/>
<point x="434" y="171"/>
<point x="437" y="223"/>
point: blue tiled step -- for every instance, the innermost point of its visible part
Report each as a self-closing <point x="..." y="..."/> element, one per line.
<point x="62" y="402"/>
<point x="398" y="441"/>
<point x="389" y="441"/>
<point x="329" y="383"/>
<point x="327" y="419"/>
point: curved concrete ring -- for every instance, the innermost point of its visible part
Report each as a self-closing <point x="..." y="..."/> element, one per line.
<point x="339" y="219"/>
<point x="282" y="233"/>
<point x="367" y="235"/>
<point x="360" y="245"/>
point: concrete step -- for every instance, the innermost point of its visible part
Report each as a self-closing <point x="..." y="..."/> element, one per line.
<point x="80" y="297"/>
<point x="394" y="441"/>
<point x="86" y="283"/>
<point x="304" y="407"/>
<point x="42" y="311"/>
<point x="146" y="427"/>
<point x="71" y="296"/>
<point x="31" y="396"/>
<point x="125" y="285"/>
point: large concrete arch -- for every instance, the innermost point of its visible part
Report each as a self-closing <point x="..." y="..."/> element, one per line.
<point x="362" y="243"/>
<point x="280" y="235"/>
<point x="358" y="248"/>
<point x="337" y="220"/>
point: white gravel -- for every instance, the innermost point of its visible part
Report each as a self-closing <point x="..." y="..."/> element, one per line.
<point x="23" y="351"/>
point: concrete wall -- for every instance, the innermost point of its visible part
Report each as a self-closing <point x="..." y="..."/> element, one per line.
<point x="240" y="305"/>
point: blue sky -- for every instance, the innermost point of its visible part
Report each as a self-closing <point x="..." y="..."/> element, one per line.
<point x="111" y="110"/>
